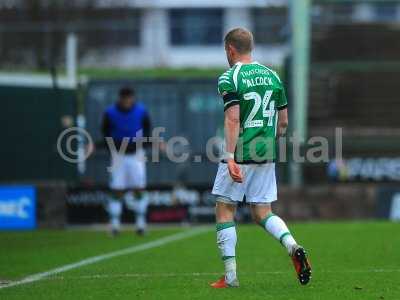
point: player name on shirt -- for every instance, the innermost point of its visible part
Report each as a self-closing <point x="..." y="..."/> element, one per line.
<point x="256" y="81"/>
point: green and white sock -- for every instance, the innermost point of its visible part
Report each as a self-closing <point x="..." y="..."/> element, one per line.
<point x="230" y="270"/>
<point x="226" y="240"/>
<point x="138" y="202"/>
<point x="277" y="227"/>
<point x="114" y="208"/>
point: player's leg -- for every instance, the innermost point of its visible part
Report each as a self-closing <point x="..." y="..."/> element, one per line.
<point x="114" y="209"/>
<point x="227" y="195"/>
<point x="117" y="187"/>
<point x="261" y="191"/>
<point x="226" y="240"/>
<point x="262" y="214"/>
<point x="273" y="224"/>
<point x="137" y="199"/>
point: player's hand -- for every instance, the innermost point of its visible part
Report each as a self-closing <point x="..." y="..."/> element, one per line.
<point x="234" y="171"/>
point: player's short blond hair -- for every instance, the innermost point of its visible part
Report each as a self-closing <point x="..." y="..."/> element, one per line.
<point x="241" y="39"/>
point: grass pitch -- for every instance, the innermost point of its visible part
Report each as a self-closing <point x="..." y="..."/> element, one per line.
<point x="350" y="261"/>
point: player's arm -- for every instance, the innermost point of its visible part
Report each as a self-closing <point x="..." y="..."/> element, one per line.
<point x="283" y="121"/>
<point x="227" y="90"/>
<point x="232" y="127"/>
<point x="105" y="128"/>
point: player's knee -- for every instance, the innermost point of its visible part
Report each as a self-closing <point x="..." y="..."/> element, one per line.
<point x="224" y="212"/>
<point x="259" y="213"/>
<point x="257" y="218"/>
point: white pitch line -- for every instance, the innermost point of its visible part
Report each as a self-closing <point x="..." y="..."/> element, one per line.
<point x="91" y="260"/>
<point x="201" y="274"/>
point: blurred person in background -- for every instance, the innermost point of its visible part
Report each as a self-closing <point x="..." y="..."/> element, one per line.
<point x="127" y="122"/>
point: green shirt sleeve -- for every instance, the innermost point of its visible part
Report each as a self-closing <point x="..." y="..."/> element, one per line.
<point x="227" y="90"/>
<point x="282" y="101"/>
<point x="281" y="98"/>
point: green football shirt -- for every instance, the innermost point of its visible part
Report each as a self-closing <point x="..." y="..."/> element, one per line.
<point x="259" y="92"/>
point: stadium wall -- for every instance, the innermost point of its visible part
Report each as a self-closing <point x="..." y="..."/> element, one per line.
<point x="32" y="117"/>
<point x="195" y="204"/>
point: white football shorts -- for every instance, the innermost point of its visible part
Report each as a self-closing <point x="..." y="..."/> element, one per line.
<point x="128" y="171"/>
<point x="259" y="184"/>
